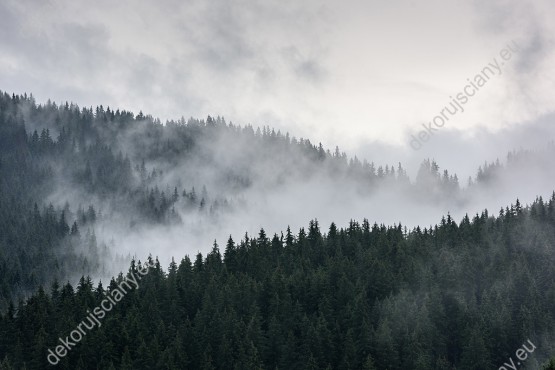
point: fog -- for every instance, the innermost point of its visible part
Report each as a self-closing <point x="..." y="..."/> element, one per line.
<point x="302" y="68"/>
<point x="341" y="73"/>
<point x="269" y="180"/>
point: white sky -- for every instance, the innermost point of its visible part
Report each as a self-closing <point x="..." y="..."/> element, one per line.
<point x="345" y="73"/>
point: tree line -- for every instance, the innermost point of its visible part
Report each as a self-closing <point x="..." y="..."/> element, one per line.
<point x="458" y="295"/>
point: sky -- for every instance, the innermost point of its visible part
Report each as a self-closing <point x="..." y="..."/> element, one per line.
<point x="364" y="75"/>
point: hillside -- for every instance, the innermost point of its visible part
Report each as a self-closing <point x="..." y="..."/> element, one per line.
<point x="461" y="295"/>
<point x="87" y="193"/>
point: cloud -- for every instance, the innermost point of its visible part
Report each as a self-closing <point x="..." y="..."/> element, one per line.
<point x="337" y="73"/>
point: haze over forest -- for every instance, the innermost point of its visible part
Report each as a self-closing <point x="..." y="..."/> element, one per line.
<point x="277" y="185"/>
<point x="98" y="189"/>
<point x="206" y="179"/>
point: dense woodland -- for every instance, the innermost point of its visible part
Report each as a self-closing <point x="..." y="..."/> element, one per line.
<point x="463" y="294"/>
<point x="95" y="157"/>
<point x="457" y="296"/>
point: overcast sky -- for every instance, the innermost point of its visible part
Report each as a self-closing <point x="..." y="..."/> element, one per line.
<point x="348" y="72"/>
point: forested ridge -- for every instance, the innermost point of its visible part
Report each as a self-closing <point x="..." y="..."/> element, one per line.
<point x="463" y="294"/>
<point x="456" y="296"/>
<point x="61" y="166"/>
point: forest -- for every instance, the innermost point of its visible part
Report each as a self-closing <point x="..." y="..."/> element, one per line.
<point x="464" y="293"/>
<point x="461" y="295"/>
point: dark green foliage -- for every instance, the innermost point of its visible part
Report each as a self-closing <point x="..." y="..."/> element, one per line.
<point x="453" y="296"/>
<point x="364" y="297"/>
<point x="111" y="157"/>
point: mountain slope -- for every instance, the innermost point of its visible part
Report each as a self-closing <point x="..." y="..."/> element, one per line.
<point x="460" y="295"/>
